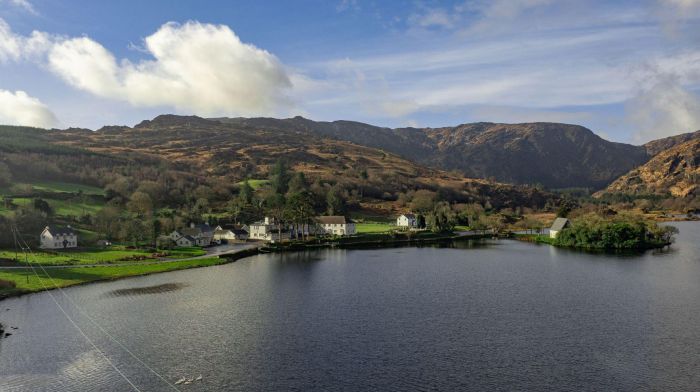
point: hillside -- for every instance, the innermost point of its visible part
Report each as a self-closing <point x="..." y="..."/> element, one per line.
<point x="551" y="154"/>
<point x="218" y="153"/>
<point x="656" y="146"/>
<point x="674" y="171"/>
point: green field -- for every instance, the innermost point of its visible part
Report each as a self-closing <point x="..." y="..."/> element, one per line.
<point x="26" y="281"/>
<point x="373" y="227"/>
<point x="60" y="207"/>
<point x="183" y="253"/>
<point x="65" y="187"/>
<point x="56" y="187"/>
<point x="100" y="256"/>
<point x="255" y="184"/>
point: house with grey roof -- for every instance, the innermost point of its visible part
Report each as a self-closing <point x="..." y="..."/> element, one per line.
<point x="55" y="237"/>
<point x="558" y="225"/>
<point x="200" y="234"/>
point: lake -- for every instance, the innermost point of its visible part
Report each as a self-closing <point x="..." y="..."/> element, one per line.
<point x="496" y="315"/>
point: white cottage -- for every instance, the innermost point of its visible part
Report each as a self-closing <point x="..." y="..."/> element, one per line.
<point x="336" y="225"/>
<point x="58" y="238"/>
<point x="267" y="230"/>
<point x="558" y="225"/>
<point x="407" y="220"/>
<point x="226" y="234"/>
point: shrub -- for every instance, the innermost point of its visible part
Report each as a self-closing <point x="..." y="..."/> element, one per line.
<point x="7" y="284"/>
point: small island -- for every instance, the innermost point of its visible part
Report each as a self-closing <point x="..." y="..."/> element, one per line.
<point x="623" y="231"/>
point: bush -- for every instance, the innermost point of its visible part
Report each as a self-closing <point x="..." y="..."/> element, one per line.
<point x="7" y="284"/>
<point x="625" y="231"/>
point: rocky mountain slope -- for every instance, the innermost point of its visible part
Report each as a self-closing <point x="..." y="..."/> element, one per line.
<point x="673" y="171"/>
<point x="656" y="146"/>
<point x="551" y="154"/>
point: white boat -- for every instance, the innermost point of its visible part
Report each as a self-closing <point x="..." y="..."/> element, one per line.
<point x="199" y="378"/>
<point x="180" y="381"/>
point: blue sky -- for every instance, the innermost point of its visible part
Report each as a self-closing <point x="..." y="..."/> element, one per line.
<point x="629" y="70"/>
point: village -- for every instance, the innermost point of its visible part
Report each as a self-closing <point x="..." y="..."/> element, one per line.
<point x="202" y="235"/>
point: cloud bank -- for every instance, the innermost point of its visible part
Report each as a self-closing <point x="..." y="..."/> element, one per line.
<point x="196" y="67"/>
<point x="18" y="108"/>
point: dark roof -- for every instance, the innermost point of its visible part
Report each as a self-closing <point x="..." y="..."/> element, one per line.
<point x="332" y="220"/>
<point x="239" y="231"/>
<point x="559" y="224"/>
<point x="203" y="227"/>
<point x="189" y="238"/>
<point x="60" y="230"/>
<point x="409" y="216"/>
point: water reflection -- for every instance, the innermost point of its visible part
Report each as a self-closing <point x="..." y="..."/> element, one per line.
<point x="478" y="315"/>
<point x="157" y="289"/>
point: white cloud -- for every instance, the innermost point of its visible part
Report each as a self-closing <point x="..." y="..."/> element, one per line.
<point x="14" y="47"/>
<point x="346" y="5"/>
<point x="18" y="108"/>
<point x="197" y="67"/>
<point x="433" y="17"/>
<point x="23" y="4"/>
<point x="665" y="104"/>
<point x="681" y="3"/>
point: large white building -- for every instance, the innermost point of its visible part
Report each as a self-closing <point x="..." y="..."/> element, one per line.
<point x="267" y="230"/>
<point x="58" y="238"/>
<point x="407" y="220"/>
<point x="336" y="225"/>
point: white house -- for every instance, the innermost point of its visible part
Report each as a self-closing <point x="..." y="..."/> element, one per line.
<point x="407" y="220"/>
<point x="227" y="234"/>
<point x="58" y="238"/>
<point x="336" y="225"/>
<point x="267" y="230"/>
<point x="558" y="225"/>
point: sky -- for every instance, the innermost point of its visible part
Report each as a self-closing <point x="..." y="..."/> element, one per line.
<point x="628" y="70"/>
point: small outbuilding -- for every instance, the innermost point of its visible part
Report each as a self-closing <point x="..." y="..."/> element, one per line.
<point x="104" y="243"/>
<point x="558" y="225"/>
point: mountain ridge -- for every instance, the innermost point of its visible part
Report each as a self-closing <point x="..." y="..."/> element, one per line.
<point x="552" y="154"/>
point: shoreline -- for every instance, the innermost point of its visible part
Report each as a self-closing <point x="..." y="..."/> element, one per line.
<point x="233" y="257"/>
<point x="535" y="239"/>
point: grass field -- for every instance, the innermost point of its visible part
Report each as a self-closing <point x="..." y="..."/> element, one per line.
<point x="255" y="184"/>
<point x="99" y="256"/>
<point x="65" y="187"/>
<point x="182" y="253"/>
<point x="373" y="227"/>
<point x="26" y="281"/>
<point x="60" y="207"/>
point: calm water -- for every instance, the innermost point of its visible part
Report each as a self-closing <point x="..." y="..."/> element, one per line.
<point x="502" y="316"/>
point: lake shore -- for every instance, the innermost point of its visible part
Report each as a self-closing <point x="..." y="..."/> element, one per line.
<point x="27" y="282"/>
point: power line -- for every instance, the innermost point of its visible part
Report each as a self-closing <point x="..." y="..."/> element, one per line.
<point x="111" y="337"/>
<point x="15" y="230"/>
